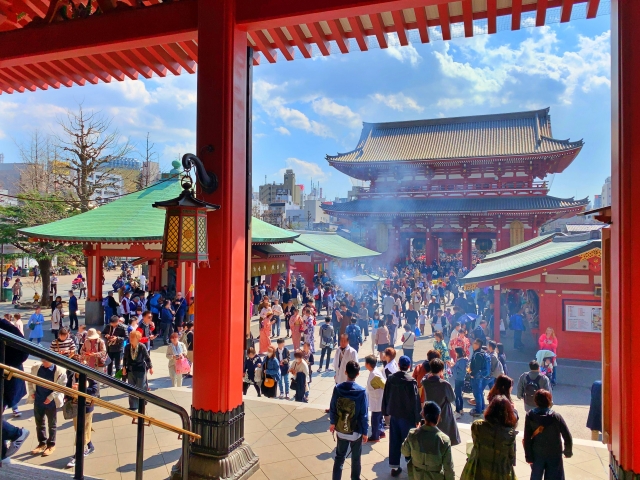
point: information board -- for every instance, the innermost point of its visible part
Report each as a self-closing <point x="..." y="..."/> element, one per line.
<point x="583" y="318"/>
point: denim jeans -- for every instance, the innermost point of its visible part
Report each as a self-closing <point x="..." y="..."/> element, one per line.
<point x="409" y="353"/>
<point x="376" y="425"/>
<point x="398" y="431"/>
<point x="458" y="390"/>
<point x="284" y="379"/>
<point x="326" y="350"/>
<point x="275" y="326"/>
<point x="517" y="339"/>
<point x="478" y="384"/>
<point x="9" y="434"/>
<point x="341" y="453"/>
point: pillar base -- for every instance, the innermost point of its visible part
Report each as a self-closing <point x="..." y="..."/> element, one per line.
<point x="238" y="465"/>
<point x="616" y="472"/>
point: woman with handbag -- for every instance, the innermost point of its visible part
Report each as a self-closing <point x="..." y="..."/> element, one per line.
<point x="300" y="371"/>
<point x="271" y="374"/>
<point x="94" y="351"/>
<point x="35" y="326"/>
<point x="178" y="363"/>
<point x="136" y="364"/>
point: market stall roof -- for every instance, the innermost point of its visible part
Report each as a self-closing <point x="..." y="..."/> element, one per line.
<point x="521" y="247"/>
<point x="529" y="260"/>
<point x="132" y="219"/>
<point x="363" y="279"/>
<point x="293" y="248"/>
<point x="333" y="245"/>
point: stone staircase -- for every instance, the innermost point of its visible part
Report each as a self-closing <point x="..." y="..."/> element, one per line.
<point x="23" y="471"/>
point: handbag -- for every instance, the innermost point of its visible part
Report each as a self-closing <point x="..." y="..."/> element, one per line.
<point x="70" y="410"/>
<point x="182" y="366"/>
<point x="269" y="382"/>
<point x="294" y="385"/>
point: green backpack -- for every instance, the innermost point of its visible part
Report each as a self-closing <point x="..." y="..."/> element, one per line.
<point x="345" y="422"/>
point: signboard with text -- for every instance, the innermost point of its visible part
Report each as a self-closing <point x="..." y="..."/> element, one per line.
<point x="582" y="318"/>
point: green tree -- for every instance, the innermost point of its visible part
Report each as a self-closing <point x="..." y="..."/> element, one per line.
<point x="36" y="208"/>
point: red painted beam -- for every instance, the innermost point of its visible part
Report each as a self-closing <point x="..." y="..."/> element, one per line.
<point x="120" y="64"/>
<point x="179" y="55"/>
<point x="89" y="66"/>
<point x="72" y="65"/>
<point x="378" y="29"/>
<point x="282" y="42"/>
<point x="319" y="38"/>
<point x="119" y="30"/>
<point x="263" y="44"/>
<point x="130" y="59"/>
<point x="191" y="47"/>
<point x="467" y="15"/>
<point x="592" y="8"/>
<point x="400" y="27"/>
<point x="45" y="77"/>
<point x="52" y="72"/>
<point x="105" y="65"/>
<point x="492" y="16"/>
<point x="165" y="59"/>
<point x="445" y="23"/>
<point x="359" y="33"/>
<point x="541" y="12"/>
<point x="339" y="35"/>
<point x="143" y="56"/>
<point x="421" y="20"/>
<point x="516" y="14"/>
<point x="66" y="71"/>
<point x="300" y="40"/>
<point x="565" y="13"/>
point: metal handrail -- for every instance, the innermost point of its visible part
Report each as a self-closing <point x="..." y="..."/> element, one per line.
<point x="85" y="372"/>
<point x="11" y="372"/>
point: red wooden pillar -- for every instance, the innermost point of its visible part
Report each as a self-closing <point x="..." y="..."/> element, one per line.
<point x="154" y="275"/>
<point x="428" y="248"/>
<point x="287" y="280"/>
<point x="221" y="143"/>
<point x="624" y="435"/>
<point x="466" y="249"/>
<point x="496" y="313"/>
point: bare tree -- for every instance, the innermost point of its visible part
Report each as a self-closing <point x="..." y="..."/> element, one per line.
<point x="38" y="162"/>
<point x="149" y="172"/>
<point x="86" y="148"/>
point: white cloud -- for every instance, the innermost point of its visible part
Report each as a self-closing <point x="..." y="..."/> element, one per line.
<point x="305" y="169"/>
<point x="342" y="113"/>
<point x="283" y="130"/>
<point x="397" y="101"/>
<point x="174" y="151"/>
<point x="489" y="69"/>
<point x="403" y="54"/>
<point x="133" y="90"/>
<point x="275" y="106"/>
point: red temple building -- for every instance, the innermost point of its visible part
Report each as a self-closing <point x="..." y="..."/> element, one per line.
<point x="449" y="182"/>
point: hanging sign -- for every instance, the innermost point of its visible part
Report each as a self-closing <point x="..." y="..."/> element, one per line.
<point x="582" y="318"/>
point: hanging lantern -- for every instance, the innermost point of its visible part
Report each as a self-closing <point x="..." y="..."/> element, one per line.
<point x="185" y="225"/>
<point x="484" y="245"/>
<point x="451" y="245"/>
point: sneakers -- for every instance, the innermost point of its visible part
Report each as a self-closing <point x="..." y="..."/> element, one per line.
<point x="15" y="445"/>
<point x="89" y="450"/>
<point x="72" y="462"/>
<point x="281" y="396"/>
<point x="320" y="370"/>
<point x="16" y="413"/>
<point x="395" y="472"/>
<point x="475" y="413"/>
<point x="457" y="415"/>
<point x="49" y="450"/>
<point x="39" y="449"/>
<point x="286" y="397"/>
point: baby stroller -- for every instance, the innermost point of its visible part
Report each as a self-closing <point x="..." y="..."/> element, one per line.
<point x="547" y="361"/>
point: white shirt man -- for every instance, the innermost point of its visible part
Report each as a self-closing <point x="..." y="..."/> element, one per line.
<point x="387" y="304"/>
<point x="143" y="282"/>
<point x="344" y="354"/>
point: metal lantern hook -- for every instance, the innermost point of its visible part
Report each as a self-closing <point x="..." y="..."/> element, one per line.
<point x="207" y="180"/>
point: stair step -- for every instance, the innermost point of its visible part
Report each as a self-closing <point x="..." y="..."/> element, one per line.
<point x="23" y="471"/>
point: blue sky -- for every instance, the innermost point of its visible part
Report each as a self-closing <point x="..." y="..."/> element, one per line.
<point x="306" y="109"/>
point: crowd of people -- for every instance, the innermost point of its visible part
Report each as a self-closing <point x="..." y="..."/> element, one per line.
<point x="416" y="404"/>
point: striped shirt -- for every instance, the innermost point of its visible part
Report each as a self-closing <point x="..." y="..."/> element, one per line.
<point x="61" y="346"/>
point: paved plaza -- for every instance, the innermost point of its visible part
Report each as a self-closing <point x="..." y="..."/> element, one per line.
<point x="291" y="439"/>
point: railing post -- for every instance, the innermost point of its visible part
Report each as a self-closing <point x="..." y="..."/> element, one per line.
<point x="80" y="421"/>
<point x="140" y="441"/>
<point x="2" y="347"/>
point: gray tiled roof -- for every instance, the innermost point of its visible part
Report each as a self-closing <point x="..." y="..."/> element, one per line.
<point x="453" y="205"/>
<point x="521" y="247"/>
<point x="520" y="133"/>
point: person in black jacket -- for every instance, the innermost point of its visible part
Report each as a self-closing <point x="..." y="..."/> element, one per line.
<point x="93" y="390"/>
<point x="543" y="429"/>
<point x="401" y="401"/>
<point x="114" y="335"/>
<point x="136" y="364"/>
<point x="14" y="390"/>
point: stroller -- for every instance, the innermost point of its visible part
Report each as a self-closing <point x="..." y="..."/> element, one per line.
<point x="547" y="360"/>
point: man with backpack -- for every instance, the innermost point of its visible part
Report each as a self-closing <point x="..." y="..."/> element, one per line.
<point x="530" y="382"/>
<point x="355" y="334"/>
<point x="496" y="366"/>
<point x="326" y="342"/>
<point x="349" y="421"/>
<point x="480" y="372"/>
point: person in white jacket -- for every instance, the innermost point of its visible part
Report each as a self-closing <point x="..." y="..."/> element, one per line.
<point x="344" y="354"/>
<point x="375" y="390"/>
<point x="45" y="404"/>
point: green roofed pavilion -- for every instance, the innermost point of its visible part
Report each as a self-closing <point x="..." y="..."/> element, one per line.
<point x="333" y="245"/>
<point x="132" y="219"/>
<point x="521" y="247"/>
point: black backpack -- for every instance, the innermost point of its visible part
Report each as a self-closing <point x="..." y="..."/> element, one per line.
<point x="531" y="386"/>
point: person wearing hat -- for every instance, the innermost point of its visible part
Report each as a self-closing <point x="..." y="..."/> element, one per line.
<point x="94" y="351"/>
<point x="400" y="401"/>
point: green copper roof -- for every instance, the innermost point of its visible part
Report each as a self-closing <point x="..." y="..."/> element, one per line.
<point x="263" y="232"/>
<point x="133" y="219"/>
<point x="537" y="257"/>
<point x="534" y="242"/>
<point x="333" y="245"/>
<point x="293" y="248"/>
